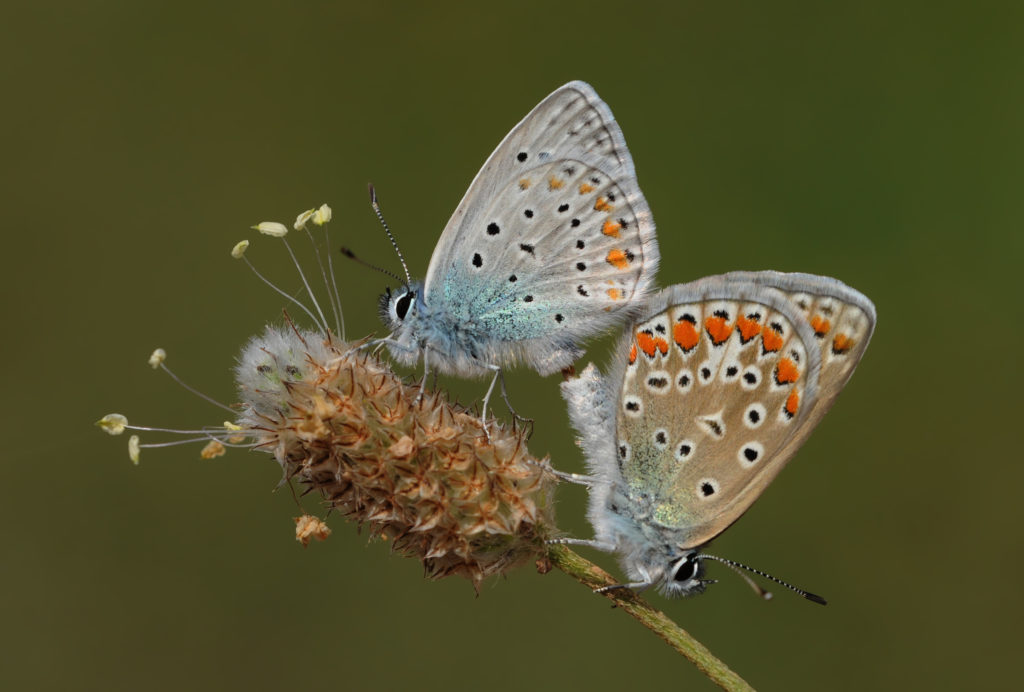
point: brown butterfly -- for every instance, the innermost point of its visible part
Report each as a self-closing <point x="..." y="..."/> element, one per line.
<point x="712" y="391"/>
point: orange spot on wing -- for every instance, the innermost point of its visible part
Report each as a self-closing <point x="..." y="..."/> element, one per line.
<point x="792" y="403"/>
<point x="632" y="354"/>
<point x="524" y="183"/>
<point x="614" y="294"/>
<point x="786" y="372"/>
<point x="718" y="329"/>
<point x="617" y="258"/>
<point x="645" y="340"/>
<point x="820" y="325"/>
<point x="585" y="188"/>
<point x="602" y="205"/>
<point x="555" y="183"/>
<point x="611" y="228"/>
<point x="747" y="328"/>
<point x="651" y="344"/>
<point x="772" y="340"/>
<point x="685" y="334"/>
<point x="842" y="344"/>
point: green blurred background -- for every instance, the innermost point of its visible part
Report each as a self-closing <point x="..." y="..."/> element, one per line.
<point x="878" y="143"/>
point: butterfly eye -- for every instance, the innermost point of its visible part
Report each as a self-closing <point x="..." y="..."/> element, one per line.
<point x="686" y="569"/>
<point x="403" y="303"/>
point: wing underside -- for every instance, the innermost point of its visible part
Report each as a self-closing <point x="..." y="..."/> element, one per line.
<point x="721" y="382"/>
<point x="553" y="238"/>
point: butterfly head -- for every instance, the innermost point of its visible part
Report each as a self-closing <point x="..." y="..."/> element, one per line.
<point x="398" y="307"/>
<point x="673" y="572"/>
<point x="673" y="575"/>
<point x="683" y="577"/>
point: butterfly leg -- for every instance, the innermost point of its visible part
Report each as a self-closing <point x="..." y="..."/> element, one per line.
<point x="423" y="382"/>
<point x="586" y="542"/>
<point x="634" y="586"/>
<point x="577" y="478"/>
<point x="500" y="373"/>
<point x="375" y="344"/>
<point x="487" y="397"/>
<point x="372" y="343"/>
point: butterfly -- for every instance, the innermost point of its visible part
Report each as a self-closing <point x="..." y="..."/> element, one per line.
<point x="711" y="392"/>
<point x="552" y="243"/>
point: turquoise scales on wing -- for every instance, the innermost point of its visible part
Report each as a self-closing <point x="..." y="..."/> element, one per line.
<point x="552" y="243"/>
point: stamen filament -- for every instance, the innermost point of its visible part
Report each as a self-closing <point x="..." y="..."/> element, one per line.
<point x="195" y="391"/>
<point x="290" y="297"/>
<point x="188" y="441"/>
<point x="335" y="303"/>
<point x="312" y="296"/>
<point x="339" y="314"/>
<point x="207" y="432"/>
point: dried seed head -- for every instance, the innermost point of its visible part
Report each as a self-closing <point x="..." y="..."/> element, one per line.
<point x="413" y="468"/>
<point x="416" y="470"/>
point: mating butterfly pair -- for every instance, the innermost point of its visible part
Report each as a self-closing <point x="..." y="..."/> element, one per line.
<point x="714" y="385"/>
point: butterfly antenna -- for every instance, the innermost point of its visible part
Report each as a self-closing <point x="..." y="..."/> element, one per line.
<point x="352" y="256"/>
<point x="394" y="244"/>
<point x="736" y="567"/>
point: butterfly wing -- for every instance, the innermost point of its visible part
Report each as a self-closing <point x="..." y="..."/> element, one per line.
<point x="553" y="241"/>
<point x="720" y="385"/>
<point x="842" y="320"/>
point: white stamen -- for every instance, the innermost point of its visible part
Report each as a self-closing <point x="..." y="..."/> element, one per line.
<point x="302" y="219"/>
<point x="157" y="358"/>
<point x="271" y="228"/>
<point x="322" y="215"/>
<point x="113" y="423"/>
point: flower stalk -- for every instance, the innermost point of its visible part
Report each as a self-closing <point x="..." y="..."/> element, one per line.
<point x="592" y="576"/>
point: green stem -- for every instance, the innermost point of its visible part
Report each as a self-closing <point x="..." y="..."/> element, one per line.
<point x="594" y="577"/>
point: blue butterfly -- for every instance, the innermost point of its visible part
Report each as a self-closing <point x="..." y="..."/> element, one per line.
<point x="552" y="243"/>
